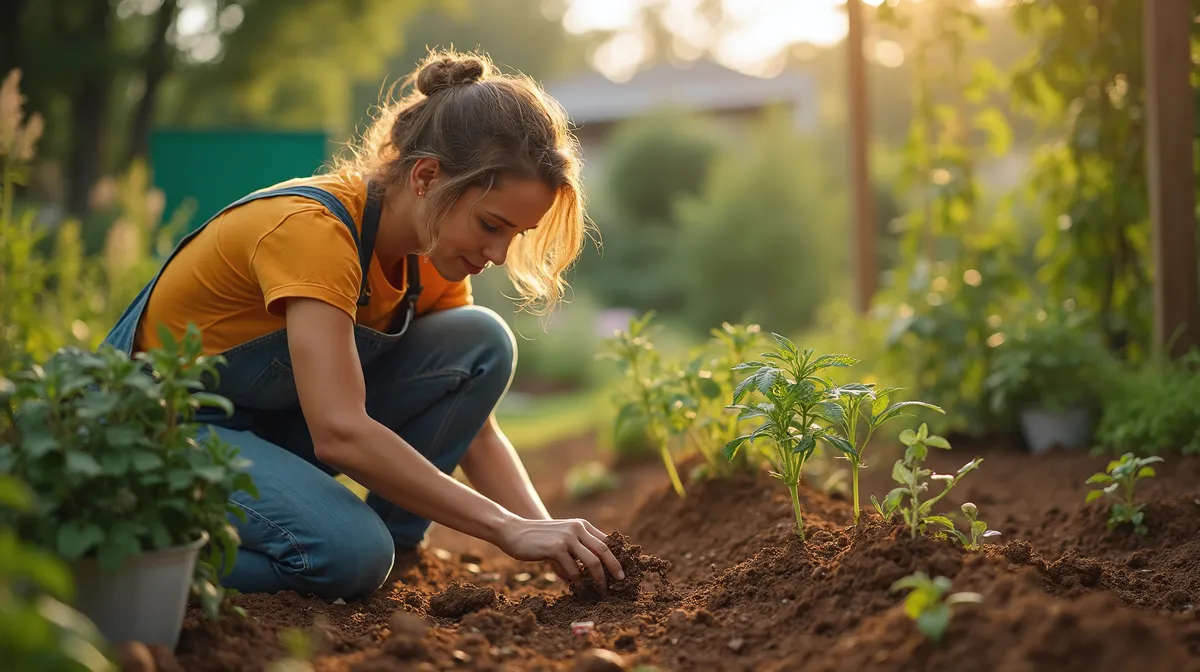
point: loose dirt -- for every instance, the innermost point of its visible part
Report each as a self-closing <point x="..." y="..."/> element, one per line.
<point x="718" y="580"/>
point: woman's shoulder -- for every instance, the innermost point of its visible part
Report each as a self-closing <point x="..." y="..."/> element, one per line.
<point x="349" y="188"/>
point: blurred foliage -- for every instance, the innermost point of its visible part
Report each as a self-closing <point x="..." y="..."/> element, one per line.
<point x="650" y="164"/>
<point x="1087" y="86"/>
<point x="39" y="630"/>
<point x="52" y="293"/>
<point x="1152" y="408"/>
<point x="590" y="478"/>
<point x="1053" y="360"/>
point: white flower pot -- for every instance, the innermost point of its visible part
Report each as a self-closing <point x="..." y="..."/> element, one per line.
<point x="1070" y="428"/>
<point x="145" y="600"/>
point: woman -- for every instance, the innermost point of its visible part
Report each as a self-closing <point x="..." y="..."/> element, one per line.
<point x="342" y="306"/>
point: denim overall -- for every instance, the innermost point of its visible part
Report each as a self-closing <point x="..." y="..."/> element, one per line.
<point x="433" y="380"/>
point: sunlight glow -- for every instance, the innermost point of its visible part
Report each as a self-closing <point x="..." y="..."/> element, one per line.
<point x="759" y="32"/>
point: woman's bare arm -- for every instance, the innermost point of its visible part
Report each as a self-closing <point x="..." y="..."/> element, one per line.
<point x="332" y="395"/>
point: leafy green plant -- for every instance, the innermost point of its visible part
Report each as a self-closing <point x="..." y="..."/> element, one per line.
<point x="1152" y="408"/>
<point x="39" y="630"/>
<point x="1052" y="362"/>
<point x="651" y="393"/>
<point x="708" y="380"/>
<point x="796" y="398"/>
<point x="910" y="473"/>
<point x="871" y="407"/>
<point x="929" y="602"/>
<point x="109" y="445"/>
<point x="1119" y="479"/>
<point x="978" y="530"/>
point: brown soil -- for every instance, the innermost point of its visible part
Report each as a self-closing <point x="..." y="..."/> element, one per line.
<point x="718" y="580"/>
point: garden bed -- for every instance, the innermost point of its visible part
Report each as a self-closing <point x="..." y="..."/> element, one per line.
<point x="1059" y="592"/>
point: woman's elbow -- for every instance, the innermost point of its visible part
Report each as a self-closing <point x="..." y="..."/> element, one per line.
<point x="336" y="438"/>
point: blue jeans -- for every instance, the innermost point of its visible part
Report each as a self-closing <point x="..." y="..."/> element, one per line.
<point x="307" y="532"/>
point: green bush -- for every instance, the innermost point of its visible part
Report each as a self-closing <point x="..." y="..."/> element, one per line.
<point x="1152" y="409"/>
<point x="109" y="445"/>
<point x="765" y="241"/>
<point x="1053" y="361"/>
<point x="39" y="630"/>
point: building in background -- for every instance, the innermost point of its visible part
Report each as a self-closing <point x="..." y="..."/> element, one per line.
<point x="597" y="104"/>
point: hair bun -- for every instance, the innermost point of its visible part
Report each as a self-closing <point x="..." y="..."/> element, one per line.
<point x="445" y="70"/>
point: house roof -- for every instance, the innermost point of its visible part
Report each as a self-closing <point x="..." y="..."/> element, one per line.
<point x="703" y="85"/>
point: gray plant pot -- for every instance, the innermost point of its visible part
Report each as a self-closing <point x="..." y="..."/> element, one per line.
<point x="1070" y="428"/>
<point x="145" y="600"/>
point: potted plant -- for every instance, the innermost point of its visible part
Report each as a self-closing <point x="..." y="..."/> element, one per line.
<point x="125" y="491"/>
<point x="1049" y="371"/>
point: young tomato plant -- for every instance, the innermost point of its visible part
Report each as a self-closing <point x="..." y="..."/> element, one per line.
<point x="651" y="394"/>
<point x="870" y="407"/>
<point x="979" y="529"/>
<point x="796" y="398"/>
<point x="1119" y="480"/>
<point x="928" y="603"/>
<point x="910" y="474"/>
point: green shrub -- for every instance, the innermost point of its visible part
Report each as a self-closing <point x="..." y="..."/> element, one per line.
<point x="1152" y="409"/>
<point x="1053" y="362"/>
<point x="39" y="630"/>
<point x="109" y="446"/>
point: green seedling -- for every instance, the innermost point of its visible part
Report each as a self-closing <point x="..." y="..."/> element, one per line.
<point x="870" y="407"/>
<point x="928" y="603"/>
<point x="589" y="478"/>
<point x="1119" y="480"/>
<point x="979" y="529"/>
<point x="796" y="398"/>
<point x="908" y="471"/>
<point x="651" y="395"/>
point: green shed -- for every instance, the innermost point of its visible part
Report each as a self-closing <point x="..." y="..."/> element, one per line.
<point x="215" y="167"/>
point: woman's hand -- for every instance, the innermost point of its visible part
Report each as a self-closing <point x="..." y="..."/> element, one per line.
<point x="562" y="542"/>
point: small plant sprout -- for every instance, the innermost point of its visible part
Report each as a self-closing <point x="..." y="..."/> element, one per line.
<point x="979" y="529"/>
<point x="872" y="408"/>
<point x="1119" y="480"/>
<point x="911" y="476"/>
<point x="650" y="395"/>
<point x="796" y="398"/>
<point x="929" y="604"/>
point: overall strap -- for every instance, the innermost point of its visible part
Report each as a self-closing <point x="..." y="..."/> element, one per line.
<point x="412" y="268"/>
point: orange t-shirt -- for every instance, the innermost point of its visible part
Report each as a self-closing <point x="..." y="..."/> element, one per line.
<point x="232" y="279"/>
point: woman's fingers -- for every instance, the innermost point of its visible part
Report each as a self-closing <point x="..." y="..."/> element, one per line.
<point x="592" y="562"/>
<point x="595" y="543"/>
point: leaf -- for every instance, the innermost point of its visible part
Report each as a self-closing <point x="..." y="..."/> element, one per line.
<point x="1093" y="496"/>
<point x="37" y="444"/>
<point x="209" y="400"/>
<point x="119" y="545"/>
<point x="732" y="447"/>
<point x="908" y="437"/>
<point x="892" y="501"/>
<point x="830" y="411"/>
<point x="937" y="442"/>
<point x="122" y="437"/>
<point x="709" y="388"/>
<point x="805" y="445"/>
<point x="82" y="464"/>
<point x="144" y="460"/>
<point x="901" y="473"/>
<point x="1099" y="478"/>
<point x="1146" y="472"/>
<point x="840" y="442"/>
<point x="940" y="520"/>
<point x="827" y="361"/>
<point x="75" y="539"/>
<point x="933" y="622"/>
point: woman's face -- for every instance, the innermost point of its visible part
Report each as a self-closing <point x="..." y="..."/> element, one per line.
<point x="478" y="230"/>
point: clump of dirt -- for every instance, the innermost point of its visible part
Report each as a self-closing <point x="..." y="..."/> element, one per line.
<point x="499" y="627"/>
<point x="461" y="598"/>
<point x="634" y="563"/>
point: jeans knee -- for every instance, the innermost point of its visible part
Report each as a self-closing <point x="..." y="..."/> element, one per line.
<point x="492" y="340"/>
<point x="353" y="563"/>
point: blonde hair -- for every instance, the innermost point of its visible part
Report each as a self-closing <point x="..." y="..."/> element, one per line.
<point x="481" y="126"/>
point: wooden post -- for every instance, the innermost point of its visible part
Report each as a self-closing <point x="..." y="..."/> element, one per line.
<point x="862" y="196"/>
<point x="1170" y="174"/>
